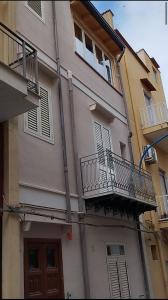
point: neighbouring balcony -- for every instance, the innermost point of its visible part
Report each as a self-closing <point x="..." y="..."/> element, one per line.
<point x="114" y="183"/>
<point x="154" y="120"/>
<point x="18" y="75"/>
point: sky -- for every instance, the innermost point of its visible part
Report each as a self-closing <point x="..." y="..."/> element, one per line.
<point x="143" y="24"/>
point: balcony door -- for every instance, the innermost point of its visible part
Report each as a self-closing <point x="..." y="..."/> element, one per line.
<point x="164" y="188"/>
<point x="105" y="165"/>
<point x="151" y="118"/>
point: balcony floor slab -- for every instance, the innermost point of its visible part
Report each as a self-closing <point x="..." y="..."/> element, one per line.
<point x="14" y="96"/>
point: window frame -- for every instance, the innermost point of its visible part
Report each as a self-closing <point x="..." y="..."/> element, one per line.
<point x="41" y="18"/>
<point x="39" y="134"/>
<point x="94" y="54"/>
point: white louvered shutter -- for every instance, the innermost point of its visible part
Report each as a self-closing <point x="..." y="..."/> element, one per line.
<point x="114" y="282"/>
<point x="36" y="6"/>
<point x="106" y="138"/>
<point x="117" y="272"/>
<point x="124" y="284"/>
<point x="45" y="113"/>
<point x="118" y="278"/>
<point x="99" y="143"/>
<point x="32" y="120"/>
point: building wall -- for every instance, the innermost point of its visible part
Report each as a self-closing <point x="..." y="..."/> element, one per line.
<point x="97" y="239"/>
<point x="41" y="178"/>
<point x="132" y="72"/>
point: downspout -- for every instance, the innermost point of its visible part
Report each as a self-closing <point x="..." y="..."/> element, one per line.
<point x="141" y="246"/>
<point x="62" y="122"/>
<point x="76" y="160"/>
<point x="126" y="108"/>
<point x="82" y="228"/>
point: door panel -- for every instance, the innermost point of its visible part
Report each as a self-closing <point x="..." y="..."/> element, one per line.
<point x="117" y="272"/>
<point x="43" y="269"/>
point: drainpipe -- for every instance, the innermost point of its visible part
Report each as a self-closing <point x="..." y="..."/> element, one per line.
<point x="82" y="228"/>
<point x="76" y="160"/>
<point x="141" y="246"/>
<point x="126" y="108"/>
<point x="62" y="122"/>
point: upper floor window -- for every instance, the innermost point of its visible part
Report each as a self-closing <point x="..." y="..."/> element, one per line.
<point x="92" y="53"/>
<point x="154" y="74"/>
<point x="38" y="121"/>
<point x="36" y="7"/>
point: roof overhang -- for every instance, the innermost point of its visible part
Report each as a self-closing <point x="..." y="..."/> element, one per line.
<point x="155" y="62"/>
<point x="94" y="21"/>
<point x="148" y="84"/>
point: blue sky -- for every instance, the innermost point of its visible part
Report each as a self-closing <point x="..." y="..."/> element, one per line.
<point x="143" y="25"/>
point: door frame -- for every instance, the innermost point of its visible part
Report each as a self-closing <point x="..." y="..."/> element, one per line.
<point x="45" y="241"/>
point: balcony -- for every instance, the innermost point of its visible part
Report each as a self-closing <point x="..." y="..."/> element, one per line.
<point x="163" y="211"/>
<point x="18" y="75"/>
<point x="154" y="120"/>
<point x="112" y="183"/>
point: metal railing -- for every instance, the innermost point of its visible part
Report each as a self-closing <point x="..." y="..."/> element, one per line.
<point x="106" y="172"/>
<point x="154" y="114"/>
<point x="163" y="206"/>
<point x="19" y="56"/>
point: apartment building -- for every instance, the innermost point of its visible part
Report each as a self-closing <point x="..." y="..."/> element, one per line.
<point x="71" y="193"/>
<point x="148" y="116"/>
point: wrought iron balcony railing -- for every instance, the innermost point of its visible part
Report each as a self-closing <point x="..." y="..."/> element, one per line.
<point x="19" y="56"/>
<point x="106" y="172"/>
<point x="154" y="114"/>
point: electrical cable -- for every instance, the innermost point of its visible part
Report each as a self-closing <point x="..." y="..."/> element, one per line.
<point x="19" y="211"/>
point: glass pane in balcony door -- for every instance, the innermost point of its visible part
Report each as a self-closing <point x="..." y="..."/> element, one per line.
<point x="99" y="60"/>
<point x="89" y="56"/>
<point x="151" y="117"/>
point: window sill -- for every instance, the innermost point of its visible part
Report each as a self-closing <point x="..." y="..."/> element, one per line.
<point x="98" y="73"/>
<point x="43" y="138"/>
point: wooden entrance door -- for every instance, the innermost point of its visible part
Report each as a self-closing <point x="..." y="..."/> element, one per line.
<point x="43" y="269"/>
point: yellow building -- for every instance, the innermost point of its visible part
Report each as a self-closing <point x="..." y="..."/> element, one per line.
<point x="148" y="118"/>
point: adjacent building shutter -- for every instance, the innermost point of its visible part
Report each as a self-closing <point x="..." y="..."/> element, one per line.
<point x="45" y="113"/>
<point x="36" y="6"/>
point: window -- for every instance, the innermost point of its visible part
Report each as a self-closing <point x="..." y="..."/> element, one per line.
<point x="123" y="150"/>
<point x="35" y="6"/>
<point x="78" y="32"/>
<point x="90" y="51"/>
<point x="154" y="252"/>
<point x="151" y="116"/>
<point x="38" y="121"/>
<point x="108" y="68"/>
<point x="99" y="55"/>
<point x="154" y="75"/>
<point x="88" y="43"/>
<point x="163" y="182"/>
<point x="115" y="250"/>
